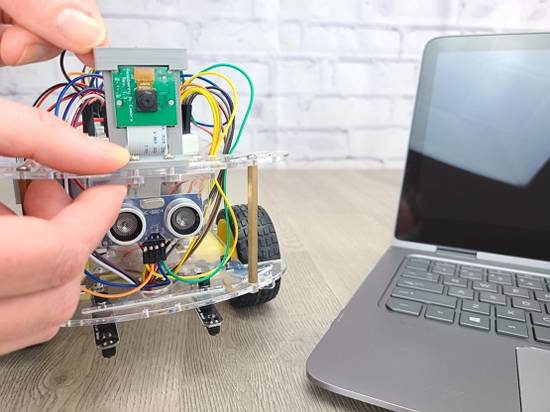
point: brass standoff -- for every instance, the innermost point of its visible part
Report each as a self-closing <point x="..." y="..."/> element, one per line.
<point x="253" y="224"/>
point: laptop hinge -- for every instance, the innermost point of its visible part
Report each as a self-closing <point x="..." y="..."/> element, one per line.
<point x="456" y="253"/>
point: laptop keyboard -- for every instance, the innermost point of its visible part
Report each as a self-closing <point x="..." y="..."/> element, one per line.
<point x="476" y="297"/>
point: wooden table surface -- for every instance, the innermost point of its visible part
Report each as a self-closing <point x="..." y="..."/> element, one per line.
<point x="333" y="226"/>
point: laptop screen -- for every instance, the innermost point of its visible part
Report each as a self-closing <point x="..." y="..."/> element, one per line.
<point x="477" y="174"/>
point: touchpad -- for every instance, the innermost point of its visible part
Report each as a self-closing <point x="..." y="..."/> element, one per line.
<point x="533" y="370"/>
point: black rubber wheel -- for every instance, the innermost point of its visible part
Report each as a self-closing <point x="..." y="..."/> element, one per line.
<point x="268" y="249"/>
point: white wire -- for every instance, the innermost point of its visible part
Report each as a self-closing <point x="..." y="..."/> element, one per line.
<point x="80" y="103"/>
<point x="112" y="269"/>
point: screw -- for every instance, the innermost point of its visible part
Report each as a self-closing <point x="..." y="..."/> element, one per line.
<point x="119" y="103"/>
<point x="170" y="102"/>
<point x="168" y="156"/>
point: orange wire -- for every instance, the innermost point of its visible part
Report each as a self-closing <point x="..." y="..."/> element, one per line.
<point x="122" y="294"/>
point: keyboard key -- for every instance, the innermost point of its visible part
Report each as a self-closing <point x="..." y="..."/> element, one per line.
<point x="419" y="261"/>
<point x="513" y="291"/>
<point x="460" y="292"/>
<point x="476" y="307"/>
<point x="526" y="304"/>
<point x="542" y="334"/>
<point x="445" y="271"/>
<point x="494" y="298"/>
<point x="404" y="306"/>
<point x="506" y="312"/>
<point x="542" y="296"/>
<point x="420" y="285"/>
<point x="415" y="264"/>
<point x="530" y="283"/>
<point x="440" y="263"/>
<point x="485" y="286"/>
<point x="501" y="279"/>
<point x="471" y="269"/>
<point x="471" y="275"/>
<point x="512" y="328"/>
<point x="540" y="320"/>
<point x="475" y="321"/>
<point x="528" y="276"/>
<point x="439" y="313"/>
<point x="452" y="281"/>
<point x="499" y="272"/>
<point x="415" y="274"/>
<point x="424" y="297"/>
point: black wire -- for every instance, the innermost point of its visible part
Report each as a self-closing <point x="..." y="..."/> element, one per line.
<point x="228" y="103"/>
<point x="64" y="71"/>
<point x="49" y="89"/>
<point x="214" y="195"/>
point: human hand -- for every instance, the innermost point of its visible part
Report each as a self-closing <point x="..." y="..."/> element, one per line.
<point x="44" y="252"/>
<point x="36" y="30"/>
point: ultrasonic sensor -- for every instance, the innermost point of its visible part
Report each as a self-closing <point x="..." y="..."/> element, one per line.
<point x="128" y="228"/>
<point x="183" y="218"/>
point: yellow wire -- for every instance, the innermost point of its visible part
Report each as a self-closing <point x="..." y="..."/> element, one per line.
<point x="146" y="280"/>
<point x="213" y="107"/>
<point x="235" y="103"/>
<point x="76" y="74"/>
<point x="233" y="247"/>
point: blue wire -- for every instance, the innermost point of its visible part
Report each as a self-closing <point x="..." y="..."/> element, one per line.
<point x="69" y="84"/>
<point x="204" y="79"/>
<point x="107" y="283"/>
<point x="127" y="285"/>
<point x="94" y="81"/>
<point x="67" y="108"/>
<point x="211" y="83"/>
<point x="163" y="273"/>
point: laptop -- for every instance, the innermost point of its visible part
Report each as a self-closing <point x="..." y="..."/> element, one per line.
<point x="456" y="314"/>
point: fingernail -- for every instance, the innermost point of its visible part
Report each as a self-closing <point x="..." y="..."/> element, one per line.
<point x="32" y="53"/>
<point x="113" y="150"/>
<point x="80" y="29"/>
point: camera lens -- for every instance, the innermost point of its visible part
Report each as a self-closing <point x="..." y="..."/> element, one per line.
<point x="146" y="101"/>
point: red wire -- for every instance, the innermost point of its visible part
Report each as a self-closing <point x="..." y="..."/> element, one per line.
<point x="79" y="184"/>
<point x="49" y="109"/>
<point x="53" y="89"/>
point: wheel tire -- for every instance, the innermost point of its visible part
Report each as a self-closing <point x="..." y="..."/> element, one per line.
<point x="268" y="249"/>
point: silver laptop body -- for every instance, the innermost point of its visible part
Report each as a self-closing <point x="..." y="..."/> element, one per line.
<point x="456" y="314"/>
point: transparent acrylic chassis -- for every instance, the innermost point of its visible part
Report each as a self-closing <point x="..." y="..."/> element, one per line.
<point x="230" y="282"/>
<point x="176" y="297"/>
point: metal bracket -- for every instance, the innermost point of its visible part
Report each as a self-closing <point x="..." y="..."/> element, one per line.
<point x="253" y="224"/>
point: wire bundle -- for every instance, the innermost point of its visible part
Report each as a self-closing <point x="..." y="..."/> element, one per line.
<point x="84" y="88"/>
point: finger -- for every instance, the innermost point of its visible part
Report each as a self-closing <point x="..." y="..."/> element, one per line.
<point x="45" y="199"/>
<point x="20" y="46"/>
<point x="45" y="254"/>
<point x="93" y="212"/>
<point x="36" y="317"/>
<point x="68" y="24"/>
<point x="33" y="133"/>
<point x="5" y="211"/>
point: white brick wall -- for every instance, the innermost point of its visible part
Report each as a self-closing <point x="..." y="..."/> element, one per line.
<point x="335" y="80"/>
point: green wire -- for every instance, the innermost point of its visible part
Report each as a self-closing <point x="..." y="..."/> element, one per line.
<point x="220" y="266"/>
<point x="250" y="101"/>
<point x="231" y="150"/>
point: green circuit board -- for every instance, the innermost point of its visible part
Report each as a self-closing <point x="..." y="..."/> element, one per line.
<point x="127" y="107"/>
